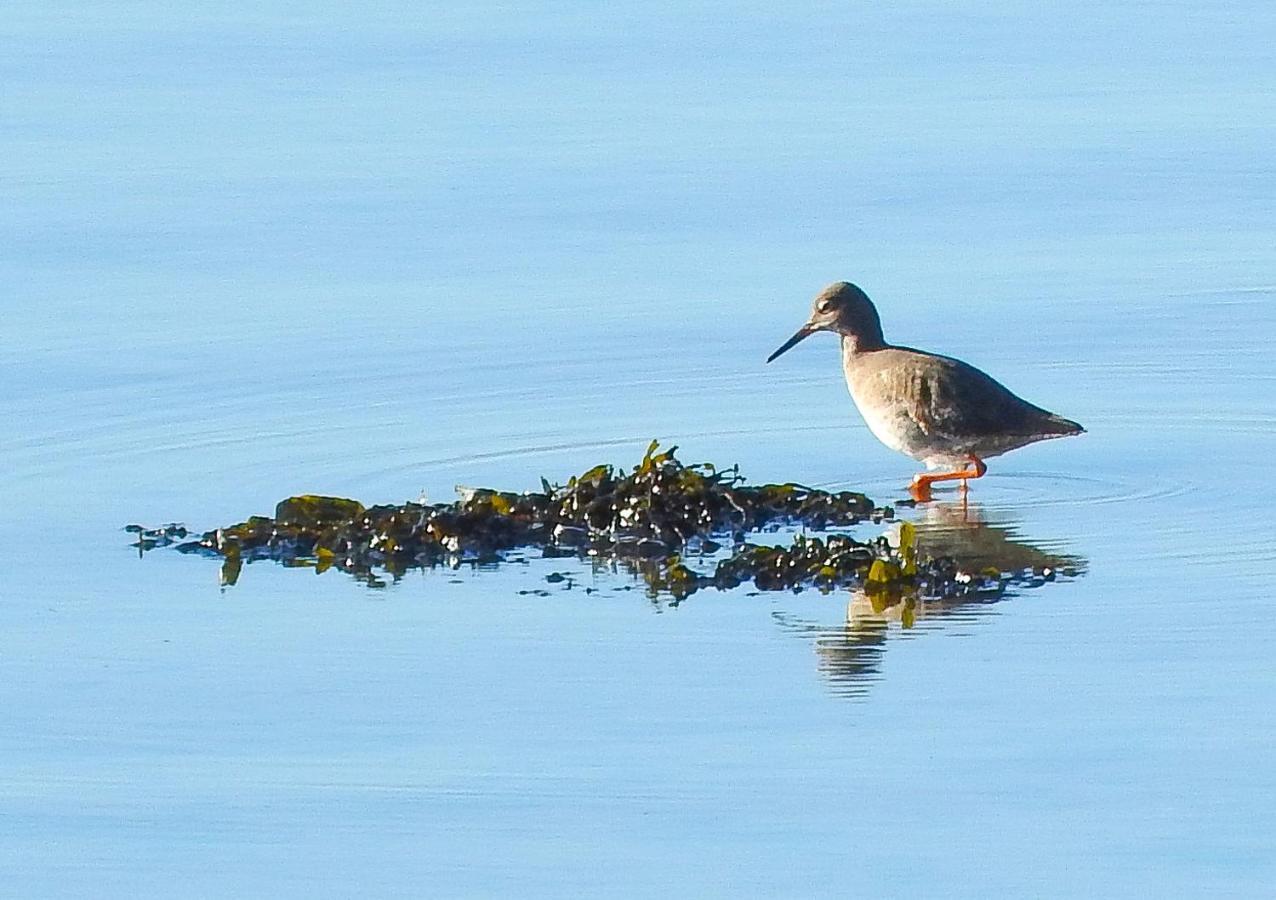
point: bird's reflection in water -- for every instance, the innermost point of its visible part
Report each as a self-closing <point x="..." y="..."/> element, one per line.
<point x="850" y="652"/>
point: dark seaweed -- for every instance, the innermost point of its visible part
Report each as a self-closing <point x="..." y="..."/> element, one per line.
<point x="662" y="520"/>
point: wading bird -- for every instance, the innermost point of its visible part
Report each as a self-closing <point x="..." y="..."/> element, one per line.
<point x="939" y="410"/>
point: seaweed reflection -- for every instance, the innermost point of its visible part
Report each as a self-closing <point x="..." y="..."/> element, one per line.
<point x="850" y="653"/>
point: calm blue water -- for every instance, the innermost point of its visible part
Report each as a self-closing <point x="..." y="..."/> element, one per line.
<point x="381" y="250"/>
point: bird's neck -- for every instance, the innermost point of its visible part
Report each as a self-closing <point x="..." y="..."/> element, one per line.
<point x="855" y="344"/>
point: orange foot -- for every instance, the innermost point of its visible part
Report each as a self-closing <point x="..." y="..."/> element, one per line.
<point x="920" y="488"/>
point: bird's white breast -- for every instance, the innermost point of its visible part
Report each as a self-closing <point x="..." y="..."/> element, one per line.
<point x="890" y="421"/>
<point x="888" y="426"/>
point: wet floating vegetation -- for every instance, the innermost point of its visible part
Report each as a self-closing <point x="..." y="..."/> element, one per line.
<point x="153" y="538"/>
<point x="679" y="527"/>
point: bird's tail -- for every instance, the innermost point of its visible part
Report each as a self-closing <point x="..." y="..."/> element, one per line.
<point x="1061" y="426"/>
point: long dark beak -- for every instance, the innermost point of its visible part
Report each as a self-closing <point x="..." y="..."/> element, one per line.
<point x="802" y="334"/>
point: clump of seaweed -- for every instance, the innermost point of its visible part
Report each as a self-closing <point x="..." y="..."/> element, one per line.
<point x="664" y="520"/>
<point x="151" y="538"/>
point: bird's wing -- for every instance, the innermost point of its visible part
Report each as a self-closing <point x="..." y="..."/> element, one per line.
<point x="948" y="398"/>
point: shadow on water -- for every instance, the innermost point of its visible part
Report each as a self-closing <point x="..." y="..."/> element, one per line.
<point x="850" y="652"/>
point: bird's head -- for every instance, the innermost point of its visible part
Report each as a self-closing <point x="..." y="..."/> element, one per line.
<point x="845" y="309"/>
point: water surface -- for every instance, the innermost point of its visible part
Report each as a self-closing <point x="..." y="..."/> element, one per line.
<point x="248" y="254"/>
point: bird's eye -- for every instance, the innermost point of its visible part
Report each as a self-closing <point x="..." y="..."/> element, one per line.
<point x="824" y="306"/>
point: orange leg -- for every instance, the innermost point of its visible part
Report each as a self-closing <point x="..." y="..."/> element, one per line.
<point x="920" y="488"/>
